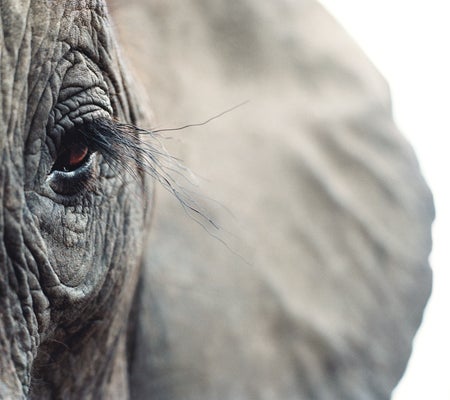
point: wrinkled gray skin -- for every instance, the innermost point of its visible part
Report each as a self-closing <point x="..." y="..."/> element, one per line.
<point x="69" y="266"/>
<point x="329" y="216"/>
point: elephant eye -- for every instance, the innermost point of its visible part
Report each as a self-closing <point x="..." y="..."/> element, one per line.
<point x="73" y="169"/>
<point x="72" y="157"/>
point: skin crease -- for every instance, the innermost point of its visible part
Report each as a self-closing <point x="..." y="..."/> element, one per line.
<point x="333" y="278"/>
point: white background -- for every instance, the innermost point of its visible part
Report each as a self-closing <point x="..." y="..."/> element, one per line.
<point x="409" y="41"/>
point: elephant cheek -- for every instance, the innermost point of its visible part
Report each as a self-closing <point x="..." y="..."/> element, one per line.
<point x="17" y="349"/>
<point x="22" y="305"/>
<point x="74" y="247"/>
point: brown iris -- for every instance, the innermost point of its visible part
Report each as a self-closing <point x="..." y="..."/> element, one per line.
<point x="77" y="154"/>
<point x="72" y="157"/>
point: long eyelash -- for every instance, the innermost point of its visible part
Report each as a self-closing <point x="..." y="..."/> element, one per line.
<point x="201" y="123"/>
<point x="121" y="148"/>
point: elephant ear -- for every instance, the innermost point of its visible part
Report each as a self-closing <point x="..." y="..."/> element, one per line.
<point x="324" y="200"/>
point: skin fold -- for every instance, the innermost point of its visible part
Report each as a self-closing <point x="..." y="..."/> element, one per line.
<point x="299" y="272"/>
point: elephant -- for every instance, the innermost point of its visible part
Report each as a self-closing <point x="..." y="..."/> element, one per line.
<point x="293" y="266"/>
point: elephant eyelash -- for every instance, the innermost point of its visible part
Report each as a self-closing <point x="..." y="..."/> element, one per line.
<point x="121" y="146"/>
<point x="201" y="123"/>
<point x="139" y="152"/>
<point x="124" y="151"/>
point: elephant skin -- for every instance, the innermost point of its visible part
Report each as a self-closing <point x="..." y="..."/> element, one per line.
<point x="71" y="225"/>
<point x="306" y="277"/>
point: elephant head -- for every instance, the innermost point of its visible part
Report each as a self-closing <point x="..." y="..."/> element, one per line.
<point x="333" y="278"/>
<point x="72" y="219"/>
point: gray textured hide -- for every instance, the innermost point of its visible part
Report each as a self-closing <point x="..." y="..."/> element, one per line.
<point x="321" y="196"/>
<point x="71" y="218"/>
